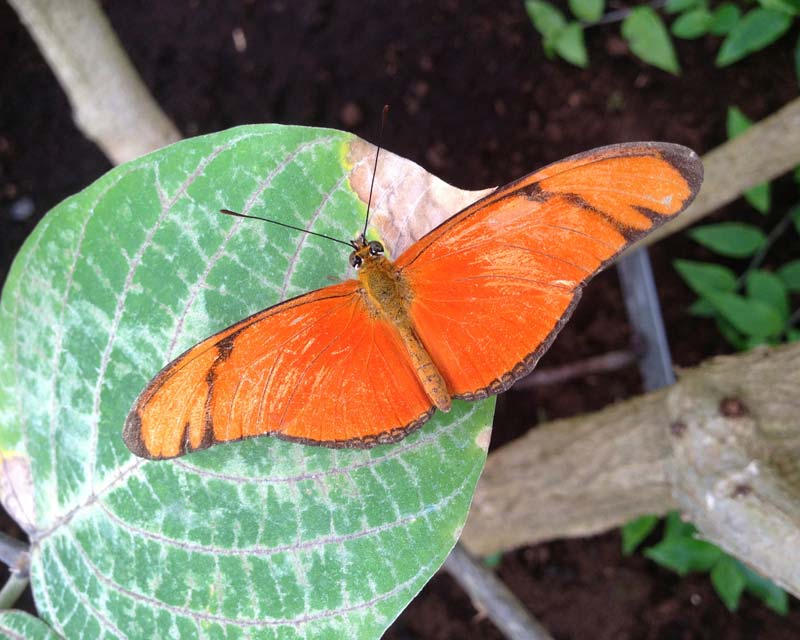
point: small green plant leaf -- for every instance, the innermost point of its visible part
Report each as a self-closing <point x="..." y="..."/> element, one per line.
<point x="754" y="318"/>
<point x="729" y="580"/>
<point x="678" y="6"/>
<point x="724" y="18"/>
<point x="681" y="551"/>
<point x="731" y="239"/>
<point x="569" y="44"/>
<point x="676" y="527"/>
<point x="737" y="122"/>
<point x="548" y="20"/>
<point x="703" y="277"/>
<point x="766" y="591"/>
<point x="260" y="538"/>
<point x="649" y="39"/>
<point x="635" y="532"/>
<point x="701" y="308"/>
<point x="684" y="555"/>
<point x="18" y="624"/>
<point x="791" y="7"/>
<point x="795" y="212"/>
<point x="757" y="29"/>
<point x="758" y="196"/>
<point x="729" y="332"/>
<point x="587" y="10"/>
<point x="790" y="275"/>
<point x="493" y="560"/>
<point x="692" y="24"/>
<point x="793" y="335"/>
<point x="770" y="289"/>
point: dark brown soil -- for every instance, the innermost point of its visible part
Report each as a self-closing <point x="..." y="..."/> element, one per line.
<point x="475" y="101"/>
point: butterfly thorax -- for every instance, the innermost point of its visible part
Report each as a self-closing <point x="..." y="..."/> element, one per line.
<point x="388" y="296"/>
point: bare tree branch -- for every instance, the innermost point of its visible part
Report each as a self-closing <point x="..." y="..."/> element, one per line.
<point x="110" y="103"/>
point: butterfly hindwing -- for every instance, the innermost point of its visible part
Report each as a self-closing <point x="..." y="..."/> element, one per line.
<point x="317" y="369"/>
<point x="494" y="284"/>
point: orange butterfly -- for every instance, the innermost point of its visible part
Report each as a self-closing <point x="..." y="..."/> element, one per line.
<point x="463" y="313"/>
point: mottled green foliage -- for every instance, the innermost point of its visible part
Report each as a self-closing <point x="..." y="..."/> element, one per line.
<point x="649" y="38"/>
<point x="560" y="36"/>
<point x="682" y="551"/>
<point x="257" y="539"/>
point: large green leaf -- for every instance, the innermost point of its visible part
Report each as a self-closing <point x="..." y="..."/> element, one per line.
<point x="256" y="539"/>
<point x="18" y="625"/>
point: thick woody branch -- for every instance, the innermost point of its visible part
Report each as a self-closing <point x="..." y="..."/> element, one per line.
<point x="722" y="445"/>
<point x="110" y="103"/>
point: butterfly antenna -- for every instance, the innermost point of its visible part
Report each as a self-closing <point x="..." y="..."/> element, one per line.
<point x="228" y="212"/>
<point x="375" y="167"/>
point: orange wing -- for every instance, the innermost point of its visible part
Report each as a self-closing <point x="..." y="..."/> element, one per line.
<point x="317" y="369"/>
<point x="494" y="284"/>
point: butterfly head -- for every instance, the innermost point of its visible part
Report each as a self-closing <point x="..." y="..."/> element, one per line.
<point x="364" y="251"/>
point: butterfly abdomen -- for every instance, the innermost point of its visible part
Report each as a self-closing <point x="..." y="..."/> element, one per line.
<point x="388" y="297"/>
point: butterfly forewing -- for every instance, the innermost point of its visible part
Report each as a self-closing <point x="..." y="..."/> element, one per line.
<point x="494" y="284"/>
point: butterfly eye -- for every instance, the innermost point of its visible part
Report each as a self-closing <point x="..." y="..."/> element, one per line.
<point x="375" y="248"/>
<point x="355" y="260"/>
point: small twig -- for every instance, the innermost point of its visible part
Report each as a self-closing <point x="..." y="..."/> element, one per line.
<point x="611" y="361"/>
<point x="620" y="14"/>
<point x="12" y="590"/>
<point x="644" y="314"/>
<point x="13" y="553"/>
<point x="489" y="594"/>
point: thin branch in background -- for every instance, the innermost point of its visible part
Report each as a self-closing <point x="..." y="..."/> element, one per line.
<point x="492" y="597"/>
<point x="12" y="590"/>
<point x="611" y="361"/>
<point x="620" y="14"/>
<point x="13" y="553"/>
